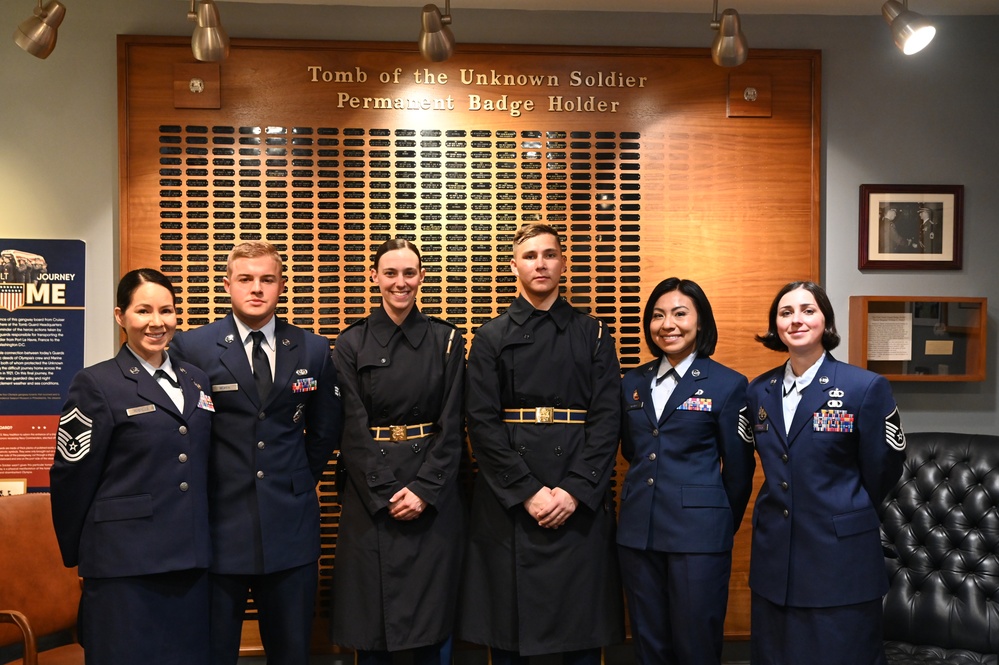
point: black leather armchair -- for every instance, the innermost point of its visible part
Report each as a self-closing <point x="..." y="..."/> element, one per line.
<point x="941" y="533"/>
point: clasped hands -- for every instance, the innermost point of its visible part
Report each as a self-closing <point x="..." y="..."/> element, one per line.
<point x="406" y="506"/>
<point x="551" y="507"/>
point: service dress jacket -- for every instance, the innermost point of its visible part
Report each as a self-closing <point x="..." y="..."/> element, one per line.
<point x="690" y="471"/>
<point x="395" y="583"/>
<point x="266" y="458"/>
<point x="816" y="528"/>
<point x="129" y="482"/>
<point x="527" y="588"/>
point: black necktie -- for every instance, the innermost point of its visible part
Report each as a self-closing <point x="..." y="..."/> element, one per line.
<point x="261" y="366"/>
<point x="161" y="374"/>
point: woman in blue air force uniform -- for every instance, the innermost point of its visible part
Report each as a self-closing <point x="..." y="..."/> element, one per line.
<point x="130" y="490"/>
<point x="831" y="443"/>
<point x="686" y="437"/>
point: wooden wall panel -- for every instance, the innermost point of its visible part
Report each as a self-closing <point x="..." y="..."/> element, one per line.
<point x="680" y="172"/>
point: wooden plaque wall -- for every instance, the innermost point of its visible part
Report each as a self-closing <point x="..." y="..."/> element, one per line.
<point x="653" y="162"/>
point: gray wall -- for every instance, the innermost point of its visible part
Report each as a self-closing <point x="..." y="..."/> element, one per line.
<point x="926" y="119"/>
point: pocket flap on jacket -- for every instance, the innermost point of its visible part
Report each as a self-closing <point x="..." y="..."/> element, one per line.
<point x="705" y="496"/>
<point x="302" y="481"/>
<point x="123" y="508"/>
<point x="859" y="521"/>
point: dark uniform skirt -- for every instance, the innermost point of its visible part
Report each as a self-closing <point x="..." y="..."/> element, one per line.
<point x="843" y="635"/>
<point x="157" y="619"/>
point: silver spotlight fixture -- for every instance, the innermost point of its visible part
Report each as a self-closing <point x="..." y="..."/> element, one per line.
<point x="729" y="48"/>
<point x="910" y="30"/>
<point x="209" y="43"/>
<point x="436" y="38"/>
<point x="37" y="35"/>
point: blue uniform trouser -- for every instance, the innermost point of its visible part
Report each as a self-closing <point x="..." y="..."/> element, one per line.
<point x="285" y="602"/>
<point x="582" y="657"/>
<point x="677" y="605"/>
<point x="433" y="654"/>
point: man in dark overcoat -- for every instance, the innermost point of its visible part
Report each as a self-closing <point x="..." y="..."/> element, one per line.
<point x="543" y="412"/>
<point x="278" y="419"/>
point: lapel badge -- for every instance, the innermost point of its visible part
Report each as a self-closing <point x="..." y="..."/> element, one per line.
<point x="301" y="372"/>
<point x="197" y="385"/>
<point x="298" y="413"/>
<point x="286" y="342"/>
<point x="763" y="414"/>
<point x="634" y="395"/>
<point x="133" y="370"/>
<point x="696" y="373"/>
<point x="823" y="380"/>
<point x="229" y="338"/>
<point x="700" y="391"/>
<point x="773" y="381"/>
<point x="183" y="371"/>
<point x="836" y="392"/>
<point x="834" y="403"/>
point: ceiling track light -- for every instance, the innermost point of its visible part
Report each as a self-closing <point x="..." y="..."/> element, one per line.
<point x="209" y="42"/>
<point x="729" y="48"/>
<point x="37" y="35"/>
<point x="911" y="31"/>
<point x="436" y="39"/>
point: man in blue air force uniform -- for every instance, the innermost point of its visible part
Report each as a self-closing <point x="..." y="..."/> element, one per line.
<point x="278" y="420"/>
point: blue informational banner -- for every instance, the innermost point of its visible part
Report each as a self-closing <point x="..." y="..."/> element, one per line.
<point x="42" y="290"/>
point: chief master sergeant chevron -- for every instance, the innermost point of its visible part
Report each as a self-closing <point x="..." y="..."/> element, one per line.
<point x="278" y="419"/>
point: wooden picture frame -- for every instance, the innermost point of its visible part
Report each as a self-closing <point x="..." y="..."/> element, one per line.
<point x="13" y="486"/>
<point x="911" y="227"/>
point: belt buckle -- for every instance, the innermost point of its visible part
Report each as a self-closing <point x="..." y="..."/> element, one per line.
<point x="544" y="414"/>
<point x="397" y="433"/>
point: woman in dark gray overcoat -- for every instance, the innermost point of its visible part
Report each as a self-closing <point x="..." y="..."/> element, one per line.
<point x="401" y="533"/>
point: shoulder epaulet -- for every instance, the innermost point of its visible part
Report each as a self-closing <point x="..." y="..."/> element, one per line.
<point x="600" y="331"/>
<point x="443" y="321"/>
<point x="355" y="323"/>
<point x="451" y="335"/>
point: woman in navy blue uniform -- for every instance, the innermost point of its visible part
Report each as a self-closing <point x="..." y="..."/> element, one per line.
<point x="401" y="534"/>
<point x="130" y="490"/>
<point x="686" y="438"/>
<point x="830" y="440"/>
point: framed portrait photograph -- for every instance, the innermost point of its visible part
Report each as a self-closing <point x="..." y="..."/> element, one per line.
<point x="911" y="227"/>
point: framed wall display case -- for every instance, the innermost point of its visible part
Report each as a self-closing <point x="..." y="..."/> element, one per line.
<point x="919" y="338"/>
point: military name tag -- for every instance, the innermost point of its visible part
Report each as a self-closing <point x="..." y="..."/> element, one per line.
<point x="136" y="410"/>
<point x="225" y="387"/>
